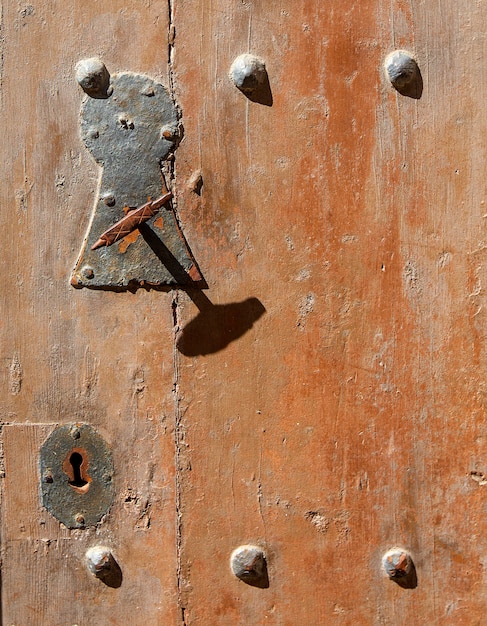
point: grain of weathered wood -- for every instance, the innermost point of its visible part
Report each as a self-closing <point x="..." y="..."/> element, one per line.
<point x="329" y="385"/>
<point x="72" y="355"/>
<point x="349" y="418"/>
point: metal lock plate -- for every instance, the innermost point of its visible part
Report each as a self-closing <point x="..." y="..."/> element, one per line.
<point x="130" y="125"/>
<point x="76" y="476"/>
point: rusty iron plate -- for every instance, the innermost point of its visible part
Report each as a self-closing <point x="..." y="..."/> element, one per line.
<point x="76" y="476"/>
<point x="130" y="129"/>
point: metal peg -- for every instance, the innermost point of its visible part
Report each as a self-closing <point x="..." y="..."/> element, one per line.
<point x="399" y="567"/>
<point x="397" y="563"/>
<point x="102" y="564"/>
<point x="249" y="564"/>
<point x="248" y="73"/>
<point x="99" y="560"/>
<point x="93" y="77"/>
<point x="404" y="74"/>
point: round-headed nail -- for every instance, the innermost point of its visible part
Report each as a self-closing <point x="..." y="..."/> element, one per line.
<point x="93" y="77"/>
<point x="248" y="562"/>
<point x="88" y="272"/>
<point x="248" y="73"/>
<point x="79" y="519"/>
<point x="401" y="68"/>
<point x="397" y="563"/>
<point x="170" y="133"/>
<point x="99" y="560"/>
<point x="109" y="200"/>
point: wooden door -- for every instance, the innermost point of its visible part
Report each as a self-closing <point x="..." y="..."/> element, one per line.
<point x="324" y="398"/>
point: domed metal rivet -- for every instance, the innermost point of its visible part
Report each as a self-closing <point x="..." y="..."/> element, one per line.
<point x="148" y="91"/>
<point x="125" y="121"/>
<point x="99" y="560"/>
<point x="80" y="520"/>
<point x="88" y="272"/>
<point x="102" y="564"/>
<point x="399" y="567"/>
<point x="249" y="564"/>
<point x="93" y="77"/>
<point x="109" y="200"/>
<point x="248" y="73"/>
<point x="170" y="133"/>
<point x="403" y="72"/>
<point x="74" y="431"/>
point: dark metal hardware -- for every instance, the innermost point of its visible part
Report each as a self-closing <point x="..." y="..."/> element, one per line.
<point x="129" y="123"/>
<point x="76" y="476"/>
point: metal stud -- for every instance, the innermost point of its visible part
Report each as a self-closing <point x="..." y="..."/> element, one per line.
<point x="249" y="564"/>
<point x="109" y="200"/>
<point x="399" y="567"/>
<point x="102" y="564"/>
<point x="404" y="74"/>
<point x="88" y="272"/>
<point x="93" y="77"/>
<point x="171" y="133"/>
<point x="98" y="560"/>
<point x="248" y="73"/>
<point x="397" y="563"/>
<point x="75" y="432"/>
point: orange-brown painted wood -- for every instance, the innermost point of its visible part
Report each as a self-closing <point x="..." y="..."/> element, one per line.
<point x="76" y="355"/>
<point x="325" y="397"/>
<point x="350" y="418"/>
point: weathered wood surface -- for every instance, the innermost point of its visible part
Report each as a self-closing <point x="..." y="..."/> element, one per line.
<point x="350" y="419"/>
<point x="75" y="355"/>
<point x="325" y="397"/>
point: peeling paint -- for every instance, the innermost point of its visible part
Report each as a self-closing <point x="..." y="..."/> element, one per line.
<point x="15" y="376"/>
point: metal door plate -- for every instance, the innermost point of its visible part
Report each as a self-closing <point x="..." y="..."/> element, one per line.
<point x="130" y="125"/>
<point x="76" y="476"/>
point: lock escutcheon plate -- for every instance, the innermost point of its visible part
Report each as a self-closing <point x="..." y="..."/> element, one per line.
<point x="130" y="131"/>
<point x="76" y="473"/>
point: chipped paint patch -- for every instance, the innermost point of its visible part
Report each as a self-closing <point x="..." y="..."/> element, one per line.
<point x="15" y="376"/>
<point x="318" y="520"/>
<point x="306" y="306"/>
<point x="479" y="477"/>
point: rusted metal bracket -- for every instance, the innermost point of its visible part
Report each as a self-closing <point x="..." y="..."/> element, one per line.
<point x="130" y="125"/>
<point x="131" y="221"/>
<point x="76" y="476"/>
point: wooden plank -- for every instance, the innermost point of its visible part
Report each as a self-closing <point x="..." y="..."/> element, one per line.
<point x="42" y="559"/>
<point x="75" y="355"/>
<point x="348" y="419"/>
<point x="23" y="514"/>
<point x="49" y="584"/>
<point x="330" y="385"/>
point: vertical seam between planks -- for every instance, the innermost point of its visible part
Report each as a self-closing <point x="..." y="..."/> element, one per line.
<point x="178" y="439"/>
<point x="175" y="313"/>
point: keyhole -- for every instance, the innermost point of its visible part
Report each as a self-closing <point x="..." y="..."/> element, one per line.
<point x="76" y="460"/>
<point x="75" y="466"/>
